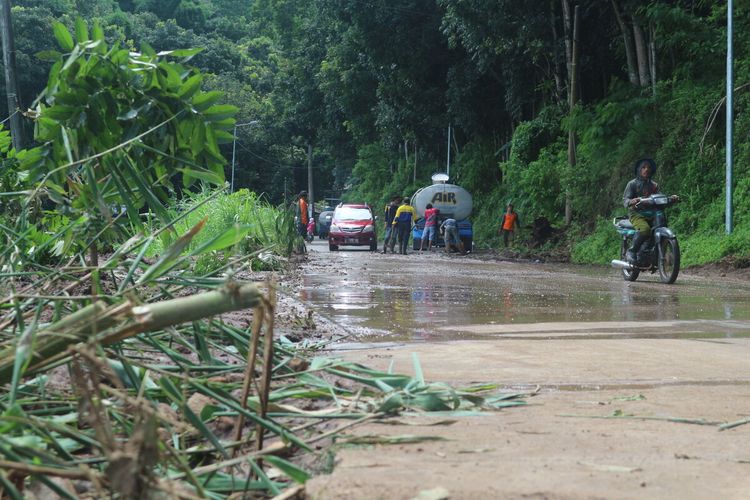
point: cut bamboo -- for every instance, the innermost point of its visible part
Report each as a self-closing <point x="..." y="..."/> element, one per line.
<point x="96" y="319"/>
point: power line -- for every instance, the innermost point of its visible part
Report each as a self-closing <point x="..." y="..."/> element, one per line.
<point x="272" y="162"/>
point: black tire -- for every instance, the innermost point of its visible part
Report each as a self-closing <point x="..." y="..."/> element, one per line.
<point x="627" y="274"/>
<point x="467" y="244"/>
<point x="669" y="260"/>
<point x="373" y="246"/>
<point x="333" y="248"/>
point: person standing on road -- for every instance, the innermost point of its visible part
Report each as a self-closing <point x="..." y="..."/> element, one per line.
<point x="302" y="216"/>
<point x="430" y="227"/>
<point x="450" y="228"/>
<point x="390" y="230"/>
<point x="509" y="223"/>
<point x="403" y="220"/>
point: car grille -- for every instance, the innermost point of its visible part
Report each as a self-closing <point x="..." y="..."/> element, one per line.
<point x="351" y="230"/>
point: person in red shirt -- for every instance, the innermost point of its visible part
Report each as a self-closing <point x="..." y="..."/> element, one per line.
<point x="430" y="227"/>
<point x="510" y="223"/>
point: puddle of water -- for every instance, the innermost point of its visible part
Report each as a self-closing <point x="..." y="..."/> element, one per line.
<point x="427" y="297"/>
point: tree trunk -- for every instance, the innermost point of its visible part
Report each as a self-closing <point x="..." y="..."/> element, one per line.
<point x="11" y="86"/>
<point x="573" y="98"/>
<point x="641" y="52"/>
<point x="567" y="27"/>
<point x="627" y="38"/>
<point x="415" y="161"/>
<point x="652" y="56"/>
<point x="556" y="54"/>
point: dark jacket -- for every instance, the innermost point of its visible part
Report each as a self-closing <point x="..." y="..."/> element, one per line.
<point x="638" y="187"/>
<point x="390" y="212"/>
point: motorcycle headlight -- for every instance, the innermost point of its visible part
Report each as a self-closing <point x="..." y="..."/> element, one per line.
<point x="368" y="228"/>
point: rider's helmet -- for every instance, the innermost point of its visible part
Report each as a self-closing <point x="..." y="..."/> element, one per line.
<point x="638" y="163"/>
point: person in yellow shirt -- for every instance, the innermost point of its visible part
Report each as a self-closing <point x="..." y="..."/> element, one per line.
<point x="403" y="220"/>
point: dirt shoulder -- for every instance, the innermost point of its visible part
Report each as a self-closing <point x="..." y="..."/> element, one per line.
<point x="565" y="443"/>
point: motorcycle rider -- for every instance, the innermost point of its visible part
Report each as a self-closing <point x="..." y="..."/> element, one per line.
<point x="641" y="218"/>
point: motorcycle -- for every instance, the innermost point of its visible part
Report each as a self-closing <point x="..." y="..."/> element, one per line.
<point x="661" y="252"/>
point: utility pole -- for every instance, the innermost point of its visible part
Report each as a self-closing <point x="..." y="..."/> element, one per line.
<point x="11" y="85"/>
<point x="730" y="119"/>
<point x="448" y="166"/>
<point x="310" y="192"/>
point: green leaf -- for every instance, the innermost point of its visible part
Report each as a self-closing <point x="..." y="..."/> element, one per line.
<point x="181" y="52"/>
<point x="429" y="402"/>
<point x="295" y="473"/>
<point x="417" y="368"/>
<point x="223" y="137"/>
<point x="97" y="33"/>
<point x="198" y="137"/>
<point x="205" y="431"/>
<point x="59" y="112"/>
<point x="220" y="111"/>
<point x="190" y="86"/>
<point x="394" y="402"/>
<point x="204" y="100"/>
<point x="128" y="115"/>
<point x="82" y="31"/>
<point x="228" y="238"/>
<point x="63" y="36"/>
<point x="48" y="55"/>
<point x="167" y="259"/>
<point x="204" y="175"/>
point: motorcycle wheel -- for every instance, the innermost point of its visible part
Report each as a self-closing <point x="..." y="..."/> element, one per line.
<point x="669" y="260"/>
<point x="627" y="274"/>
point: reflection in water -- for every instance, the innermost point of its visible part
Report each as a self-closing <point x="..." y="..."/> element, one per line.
<point x="413" y="305"/>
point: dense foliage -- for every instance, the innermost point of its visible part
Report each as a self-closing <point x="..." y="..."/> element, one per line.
<point x="372" y="86"/>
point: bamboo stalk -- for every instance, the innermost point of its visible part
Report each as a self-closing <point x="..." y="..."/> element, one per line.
<point x="252" y="355"/>
<point x="267" y="362"/>
<point x="56" y="337"/>
<point x="156" y="316"/>
<point x="53" y="341"/>
<point x="46" y="471"/>
<point x="694" y="421"/>
<point x="731" y="425"/>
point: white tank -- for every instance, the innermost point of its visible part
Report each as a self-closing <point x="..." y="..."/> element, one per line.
<point x="452" y="201"/>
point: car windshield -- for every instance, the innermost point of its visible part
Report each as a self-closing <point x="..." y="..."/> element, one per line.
<point x="349" y="213"/>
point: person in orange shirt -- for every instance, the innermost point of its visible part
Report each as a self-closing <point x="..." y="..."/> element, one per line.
<point x="302" y="215"/>
<point x="510" y="223"/>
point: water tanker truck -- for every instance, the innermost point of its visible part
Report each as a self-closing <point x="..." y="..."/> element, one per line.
<point x="452" y="201"/>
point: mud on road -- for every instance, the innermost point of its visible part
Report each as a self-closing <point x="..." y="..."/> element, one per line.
<point x="633" y="379"/>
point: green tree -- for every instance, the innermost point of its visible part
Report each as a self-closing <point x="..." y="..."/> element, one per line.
<point x="117" y="129"/>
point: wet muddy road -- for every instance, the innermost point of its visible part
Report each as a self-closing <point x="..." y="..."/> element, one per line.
<point x="631" y="380"/>
<point x="431" y="296"/>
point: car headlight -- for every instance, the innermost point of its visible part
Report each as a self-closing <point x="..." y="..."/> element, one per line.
<point x="334" y="229"/>
<point x="369" y="228"/>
